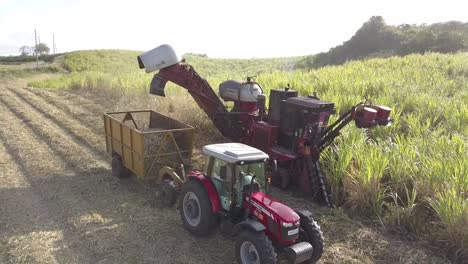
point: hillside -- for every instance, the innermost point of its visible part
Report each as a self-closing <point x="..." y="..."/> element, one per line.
<point x="377" y="39"/>
<point x="118" y="69"/>
<point x="26" y="58"/>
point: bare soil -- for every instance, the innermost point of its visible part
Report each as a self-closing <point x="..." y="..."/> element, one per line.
<point x="60" y="204"/>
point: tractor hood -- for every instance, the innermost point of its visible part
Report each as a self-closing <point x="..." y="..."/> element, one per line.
<point x="274" y="208"/>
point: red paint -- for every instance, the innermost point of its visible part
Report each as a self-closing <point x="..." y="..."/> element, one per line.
<point x="264" y="135"/>
<point x="209" y="187"/>
<point x="276" y="154"/>
<point x="278" y="209"/>
<point x="271" y="208"/>
<point x="383" y="113"/>
<point x="249" y="108"/>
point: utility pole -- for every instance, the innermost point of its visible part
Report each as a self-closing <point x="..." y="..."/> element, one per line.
<point x="53" y="42"/>
<point x="35" y="49"/>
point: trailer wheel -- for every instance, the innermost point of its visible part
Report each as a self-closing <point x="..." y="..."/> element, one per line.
<point x="310" y="232"/>
<point x="254" y="248"/>
<point x="118" y="169"/>
<point x="167" y="194"/>
<point x="195" y="209"/>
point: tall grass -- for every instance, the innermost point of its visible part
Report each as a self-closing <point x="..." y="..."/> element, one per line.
<point x="452" y="211"/>
<point x="419" y="162"/>
<point x="25" y="69"/>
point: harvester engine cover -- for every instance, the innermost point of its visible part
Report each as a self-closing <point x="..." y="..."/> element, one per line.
<point x="233" y="90"/>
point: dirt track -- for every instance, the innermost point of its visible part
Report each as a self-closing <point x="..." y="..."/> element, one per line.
<point x="60" y="204"/>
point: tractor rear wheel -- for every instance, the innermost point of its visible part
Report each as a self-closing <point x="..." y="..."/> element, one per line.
<point x="254" y="248"/>
<point x="167" y="194"/>
<point x="195" y="209"/>
<point x="118" y="168"/>
<point x="310" y="232"/>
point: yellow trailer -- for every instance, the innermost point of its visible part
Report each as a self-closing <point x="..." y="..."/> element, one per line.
<point x="148" y="144"/>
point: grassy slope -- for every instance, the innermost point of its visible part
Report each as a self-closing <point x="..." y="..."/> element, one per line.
<point x="10" y="71"/>
<point x="413" y="174"/>
<point x="118" y="69"/>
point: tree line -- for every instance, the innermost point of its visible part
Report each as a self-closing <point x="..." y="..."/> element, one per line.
<point x="28" y="54"/>
<point x="40" y="49"/>
<point x="377" y="39"/>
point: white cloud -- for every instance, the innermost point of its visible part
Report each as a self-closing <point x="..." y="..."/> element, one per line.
<point x="4" y="2"/>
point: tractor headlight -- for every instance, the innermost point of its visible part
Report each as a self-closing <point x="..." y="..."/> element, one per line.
<point x="286" y="224"/>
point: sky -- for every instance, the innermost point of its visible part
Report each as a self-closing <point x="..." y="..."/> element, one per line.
<point x="218" y="28"/>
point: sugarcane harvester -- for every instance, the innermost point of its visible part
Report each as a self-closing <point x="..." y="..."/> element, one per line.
<point x="293" y="131"/>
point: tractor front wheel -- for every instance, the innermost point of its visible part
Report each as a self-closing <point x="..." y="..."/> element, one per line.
<point x="254" y="248"/>
<point x="195" y="209"/>
<point x="167" y="194"/>
<point x="118" y="168"/>
<point x="310" y="232"/>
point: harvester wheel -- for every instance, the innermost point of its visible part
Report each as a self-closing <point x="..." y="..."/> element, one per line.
<point x="254" y="248"/>
<point x="167" y="194"/>
<point x="310" y="232"/>
<point x="195" y="209"/>
<point x="118" y="169"/>
<point x="281" y="178"/>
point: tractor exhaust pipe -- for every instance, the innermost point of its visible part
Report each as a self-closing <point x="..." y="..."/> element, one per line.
<point x="299" y="252"/>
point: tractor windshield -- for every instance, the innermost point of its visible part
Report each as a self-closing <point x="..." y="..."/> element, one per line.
<point x="249" y="170"/>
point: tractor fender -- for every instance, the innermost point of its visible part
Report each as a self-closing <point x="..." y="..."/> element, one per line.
<point x="304" y="213"/>
<point x="209" y="187"/>
<point x="250" y="224"/>
<point x="168" y="172"/>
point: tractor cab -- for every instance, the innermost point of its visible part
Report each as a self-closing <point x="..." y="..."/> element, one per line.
<point x="235" y="169"/>
<point x="230" y="193"/>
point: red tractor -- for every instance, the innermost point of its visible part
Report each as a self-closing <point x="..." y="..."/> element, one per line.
<point x="293" y="132"/>
<point x="230" y="192"/>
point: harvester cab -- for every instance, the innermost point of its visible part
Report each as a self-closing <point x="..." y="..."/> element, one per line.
<point x="231" y="192"/>
<point x="307" y="118"/>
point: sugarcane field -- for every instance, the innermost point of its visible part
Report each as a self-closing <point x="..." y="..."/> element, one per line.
<point x="180" y="149"/>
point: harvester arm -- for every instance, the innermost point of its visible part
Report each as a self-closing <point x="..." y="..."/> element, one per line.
<point x="364" y="114"/>
<point x="334" y="129"/>
<point x="185" y="76"/>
